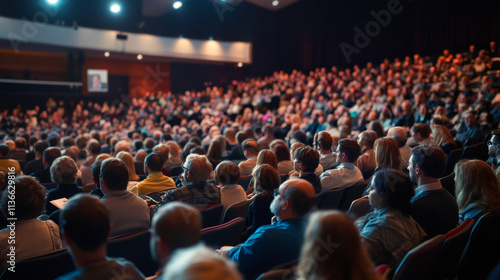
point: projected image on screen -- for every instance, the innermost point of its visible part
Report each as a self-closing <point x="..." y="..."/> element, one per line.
<point x="97" y="80"/>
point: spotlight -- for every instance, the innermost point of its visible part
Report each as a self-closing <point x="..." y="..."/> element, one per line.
<point x="52" y="2"/>
<point x="106" y="54"/>
<point x="275" y="3"/>
<point x="139" y="56"/>
<point x="240" y="64"/>
<point x="115" y="8"/>
<point x="177" y="4"/>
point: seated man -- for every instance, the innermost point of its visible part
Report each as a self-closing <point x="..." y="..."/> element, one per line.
<point x="49" y="155"/>
<point x="177" y="225"/>
<point x="155" y="181"/>
<point x="64" y="173"/>
<point x="469" y="132"/>
<point x="251" y="150"/>
<point x="127" y="212"/>
<point x="8" y="165"/>
<point x="399" y="134"/>
<point x="346" y="174"/>
<point x="435" y="210"/>
<point x="196" y="190"/>
<point x="37" y="163"/>
<point x="85" y="225"/>
<point x="366" y="161"/>
<point x="19" y="153"/>
<point x="421" y="134"/>
<point x="280" y="242"/>
<point x="306" y="161"/>
<point x="324" y="142"/>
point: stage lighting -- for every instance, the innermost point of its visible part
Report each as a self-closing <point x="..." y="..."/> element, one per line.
<point x="240" y="64"/>
<point x="139" y="56"/>
<point x="276" y="3"/>
<point x="52" y="2"/>
<point x="115" y="8"/>
<point x="177" y="4"/>
<point x="106" y="54"/>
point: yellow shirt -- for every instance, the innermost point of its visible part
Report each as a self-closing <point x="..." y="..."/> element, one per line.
<point x="155" y="182"/>
<point x="7" y="164"/>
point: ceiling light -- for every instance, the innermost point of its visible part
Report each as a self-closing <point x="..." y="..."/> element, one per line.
<point x="275" y="3"/>
<point x="211" y="38"/>
<point x="115" y="8"/>
<point x="106" y="54"/>
<point x="52" y="2"/>
<point x="139" y="56"/>
<point x="177" y="4"/>
<point x="240" y="64"/>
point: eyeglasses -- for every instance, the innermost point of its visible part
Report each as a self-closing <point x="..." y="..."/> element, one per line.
<point x="490" y="143"/>
<point x="276" y="192"/>
<point x="184" y="167"/>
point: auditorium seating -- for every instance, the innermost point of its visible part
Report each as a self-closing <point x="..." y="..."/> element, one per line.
<point x="236" y="210"/>
<point x="352" y="193"/>
<point x="329" y="199"/>
<point x="227" y="234"/>
<point x="44" y="267"/>
<point x="210" y="215"/>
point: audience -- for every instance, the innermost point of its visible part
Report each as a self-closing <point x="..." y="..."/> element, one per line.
<point x="227" y="175"/>
<point x="366" y="161"/>
<point x="37" y="163"/>
<point x="282" y="152"/>
<point x="389" y="232"/>
<point x="64" y="173"/>
<point x="127" y="158"/>
<point x="250" y="150"/>
<point x="8" y="165"/>
<point x="399" y="134"/>
<point x="49" y="156"/>
<point x="33" y="237"/>
<point x="86" y="225"/>
<point x="387" y="154"/>
<point x="346" y="173"/>
<point x="155" y="181"/>
<point x="306" y="161"/>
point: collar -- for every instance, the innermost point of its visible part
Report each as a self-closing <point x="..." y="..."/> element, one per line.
<point x="116" y="193"/>
<point x="231" y="186"/>
<point x="155" y="174"/>
<point x="348" y="165"/>
<point x="428" y="187"/>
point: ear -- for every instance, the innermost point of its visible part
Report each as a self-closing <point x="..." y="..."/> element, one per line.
<point x="286" y="205"/>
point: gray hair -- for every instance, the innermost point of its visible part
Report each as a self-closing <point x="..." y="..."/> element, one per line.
<point x="199" y="166"/>
<point x="64" y="171"/>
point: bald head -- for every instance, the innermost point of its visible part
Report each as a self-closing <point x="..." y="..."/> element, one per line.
<point x="175" y="225"/>
<point x="300" y="195"/>
<point x="399" y="134"/>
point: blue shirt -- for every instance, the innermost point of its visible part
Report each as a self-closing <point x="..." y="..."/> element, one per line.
<point x="269" y="246"/>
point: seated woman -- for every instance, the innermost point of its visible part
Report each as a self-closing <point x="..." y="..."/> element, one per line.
<point x="266" y="181"/>
<point x="126" y="157"/>
<point x="389" y="232"/>
<point x="33" y="237"/>
<point x="227" y="175"/>
<point x="285" y="165"/>
<point x="387" y="154"/>
<point x="264" y="157"/>
<point x="345" y="257"/>
<point x="443" y="138"/>
<point x="477" y="189"/>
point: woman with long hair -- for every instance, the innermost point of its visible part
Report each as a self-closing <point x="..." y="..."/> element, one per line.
<point x="443" y="138"/>
<point x="477" y="189"/>
<point x="126" y="157"/>
<point x="387" y="154"/>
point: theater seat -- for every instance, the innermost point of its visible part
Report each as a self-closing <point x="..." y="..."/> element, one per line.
<point x="329" y="199"/>
<point x="359" y="207"/>
<point x="453" y="246"/>
<point x="44" y="267"/>
<point x="227" y="234"/>
<point x="210" y="215"/>
<point x="236" y="210"/>
<point x="352" y="193"/>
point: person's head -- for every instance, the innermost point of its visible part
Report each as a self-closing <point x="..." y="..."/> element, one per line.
<point x="227" y="173"/>
<point x="399" y="134"/>
<point x="30" y="198"/>
<point x="324" y="141"/>
<point x="96" y="172"/>
<point x="266" y="178"/>
<point x="298" y="136"/>
<point x="426" y="161"/>
<point x="348" y="151"/>
<point x="494" y="144"/>
<point x="469" y="117"/>
<point x="129" y="162"/>
<point x="94" y="147"/>
<point x="153" y="163"/>
<point x="173" y="148"/>
<point x="230" y="135"/>
<point x="267" y="156"/>
<point x="40" y="147"/>
<point x="197" y="168"/>
<point x="306" y="159"/>
<point x="114" y="175"/>
<point x="387" y="153"/>
<point x="140" y="156"/>
<point x="250" y="148"/>
<point x="4" y="150"/>
<point x="420" y="132"/>
<point x="214" y="151"/>
<point x="294" y="148"/>
<point x="199" y="262"/>
<point x="123" y="145"/>
<point x="64" y="170"/>
<point x="442" y="135"/>
<point x="85" y="223"/>
<point x="475" y="181"/>
<point x="366" y="139"/>
<point x="293" y="199"/>
<point x="20" y="143"/>
<point x="281" y="151"/>
<point x="276" y="142"/>
<point x="391" y="188"/>
<point x="163" y="151"/>
<point x="344" y="254"/>
<point x="175" y="225"/>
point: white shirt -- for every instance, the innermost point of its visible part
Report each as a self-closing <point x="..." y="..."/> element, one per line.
<point x="345" y="175"/>
<point x="231" y="194"/>
<point x="284" y="167"/>
<point x="328" y="161"/>
<point x="246" y="167"/>
<point x="428" y="187"/>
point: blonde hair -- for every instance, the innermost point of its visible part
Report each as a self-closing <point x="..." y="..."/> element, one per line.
<point x="442" y="135"/>
<point x="294" y="147"/>
<point x="475" y="181"/>
<point x="129" y="162"/>
<point x="346" y="257"/>
<point x="387" y="153"/>
<point x="173" y="148"/>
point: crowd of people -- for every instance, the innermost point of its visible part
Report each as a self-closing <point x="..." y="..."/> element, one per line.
<point x="156" y="161"/>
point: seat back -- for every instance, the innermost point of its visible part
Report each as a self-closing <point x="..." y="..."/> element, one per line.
<point x="135" y="248"/>
<point x="48" y="266"/>
<point x="236" y="210"/>
<point x="469" y="152"/>
<point x="329" y="199"/>
<point x="245" y="181"/>
<point x="481" y="252"/>
<point x="419" y="263"/>
<point x="352" y="193"/>
<point x="359" y="208"/>
<point x="55" y="217"/>
<point x="226" y="234"/>
<point x="453" y="246"/>
<point x="210" y="215"/>
<point x="481" y="151"/>
<point x="453" y="158"/>
<point x="279" y="274"/>
<point x="175" y="171"/>
<point x="448" y="183"/>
